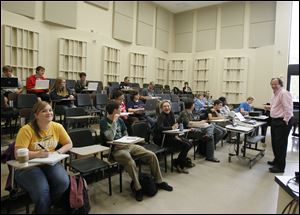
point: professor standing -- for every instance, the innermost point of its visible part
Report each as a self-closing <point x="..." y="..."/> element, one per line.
<point x="281" y="113"/>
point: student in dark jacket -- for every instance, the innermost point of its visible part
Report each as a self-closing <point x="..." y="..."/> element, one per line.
<point x="166" y="121"/>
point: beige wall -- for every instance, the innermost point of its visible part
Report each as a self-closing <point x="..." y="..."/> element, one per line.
<point x="94" y="25"/>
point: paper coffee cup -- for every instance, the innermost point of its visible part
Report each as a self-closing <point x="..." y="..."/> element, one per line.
<point x="22" y="155"/>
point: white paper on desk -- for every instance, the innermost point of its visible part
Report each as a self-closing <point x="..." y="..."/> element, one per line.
<point x="125" y="114"/>
<point x="52" y="159"/>
<point x="199" y="125"/>
<point x="128" y="140"/>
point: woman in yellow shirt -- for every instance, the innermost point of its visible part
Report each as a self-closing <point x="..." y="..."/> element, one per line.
<point x="44" y="183"/>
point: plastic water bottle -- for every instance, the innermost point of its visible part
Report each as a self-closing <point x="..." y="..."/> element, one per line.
<point x="180" y="127"/>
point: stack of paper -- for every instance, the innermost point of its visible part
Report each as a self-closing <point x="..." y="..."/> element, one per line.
<point x="128" y="140"/>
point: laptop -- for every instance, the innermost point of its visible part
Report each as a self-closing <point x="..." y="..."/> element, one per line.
<point x="42" y="84"/>
<point x="92" y="86"/>
<point x="242" y="119"/>
<point x="9" y="82"/>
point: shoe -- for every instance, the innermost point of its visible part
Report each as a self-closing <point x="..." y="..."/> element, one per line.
<point x="164" y="186"/>
<point x="213" y="160"/>
<point x="271" y="163"/>
<point x="274" y="169"/>
<point x="139" y="195"/>
<point x="185" y="171"/>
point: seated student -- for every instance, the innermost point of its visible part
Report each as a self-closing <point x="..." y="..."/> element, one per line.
<point x="213" y="114"/>
<point x="166" y="121"/>
<point x="125" y="84"/>
<point x="137" y="107"/>
<point x="81" y="84"/>
<point x="186" y="88"/>
<point x="199" y="103"/>
<point x="60" y="91"/>
<point x="202" y="135"/>
<point x="117" y="95"/>
<point x="30" y="83"/>
<point x="112" y="128"/>
<point x="45" y="183"/>
<point x="225" y="109"/>
<point x="245" y="107"/>
<point x="8" y="73"/>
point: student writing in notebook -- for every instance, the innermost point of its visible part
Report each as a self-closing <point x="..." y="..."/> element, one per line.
<point x="113" y="128"/>
<point x="44" y="183"/>
<point x="43" y="94"/>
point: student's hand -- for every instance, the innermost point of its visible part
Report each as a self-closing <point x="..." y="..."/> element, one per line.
<point x="175" y="126"/>
<point x="267" y="107"/>
<point x="43" y="154"/>
<point x="116" y="117"/>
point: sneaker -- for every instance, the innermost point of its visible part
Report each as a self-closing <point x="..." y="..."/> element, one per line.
<point x="181" y="170"/>
<point x="139" y="195"/>
<point x="271" y="163"/>
<point x="164" y="186"/>
<point x="213" y="160"/>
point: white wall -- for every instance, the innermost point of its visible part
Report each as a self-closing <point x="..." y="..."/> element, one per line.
<point x="94" y="25"/>
<point x="264" y="62"/>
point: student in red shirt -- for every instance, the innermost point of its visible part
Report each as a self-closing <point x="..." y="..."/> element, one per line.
<point x="30" y="83"/>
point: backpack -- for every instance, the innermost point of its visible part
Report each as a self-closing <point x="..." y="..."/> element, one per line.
<point x="148" y="184"/>
<point x="79" y="202"/>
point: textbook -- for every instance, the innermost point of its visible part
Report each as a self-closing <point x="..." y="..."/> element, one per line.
<point x="51" y="160"/>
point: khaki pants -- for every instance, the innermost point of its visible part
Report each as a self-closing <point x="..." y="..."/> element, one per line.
<point x="125" y="155"/>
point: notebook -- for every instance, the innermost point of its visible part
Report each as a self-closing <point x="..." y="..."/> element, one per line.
<point x="9" y="82"/>
<point x="92" y="86"/>
<point x="42" y="84"/>
<point x="51" y="160"/>
<point x="128" y="140"/>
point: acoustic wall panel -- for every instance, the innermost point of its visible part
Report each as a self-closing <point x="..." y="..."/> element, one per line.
<point x="101" y="4"/>
<point x="206" y="40"/>
<point x="162" y="19"/>
<point x="261" y="11"/>
<point x="123" y="27"/>
<point x="232" y="37"/>
<point x="162" y="39"/>
<point x="124" y="7"/>
<point x="61" y="12"/>
<point x="144" y="34"/>
<point x="183" y="22"/>
<point x="262" y="23"/>
<point x="145" y="23"/>
<point x="123" y="21"/>
<point x="26" y="8"/>
<point x="262" y="34"/>
<point x="146" y="12"/>
<point x="206" y="29"/>
<point x="183" y="42"/>
<point x="207" y="18"/>
<point x="232" y="14"/>
<point x="162" y="29"/>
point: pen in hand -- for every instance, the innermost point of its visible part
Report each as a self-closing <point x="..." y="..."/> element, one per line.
<point x="43" y="147"/>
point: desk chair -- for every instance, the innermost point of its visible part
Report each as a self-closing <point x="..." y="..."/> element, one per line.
<point x="141" y="129"/>
<point x="88" y="165"/>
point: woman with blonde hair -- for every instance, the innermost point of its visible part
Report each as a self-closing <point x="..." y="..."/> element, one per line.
<point x="62" y="96"/>
<point x="44" y="183"/>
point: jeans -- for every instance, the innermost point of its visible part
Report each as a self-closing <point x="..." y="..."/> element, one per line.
<point x="44" y="183"/>
<point x="219" y="132"/>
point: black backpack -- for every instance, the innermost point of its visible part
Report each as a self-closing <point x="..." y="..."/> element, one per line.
<point x="148" y="184"/>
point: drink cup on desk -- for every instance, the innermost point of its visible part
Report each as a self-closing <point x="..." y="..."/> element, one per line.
<point x="180" y="127"/>
<point x="23" y="156"/>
